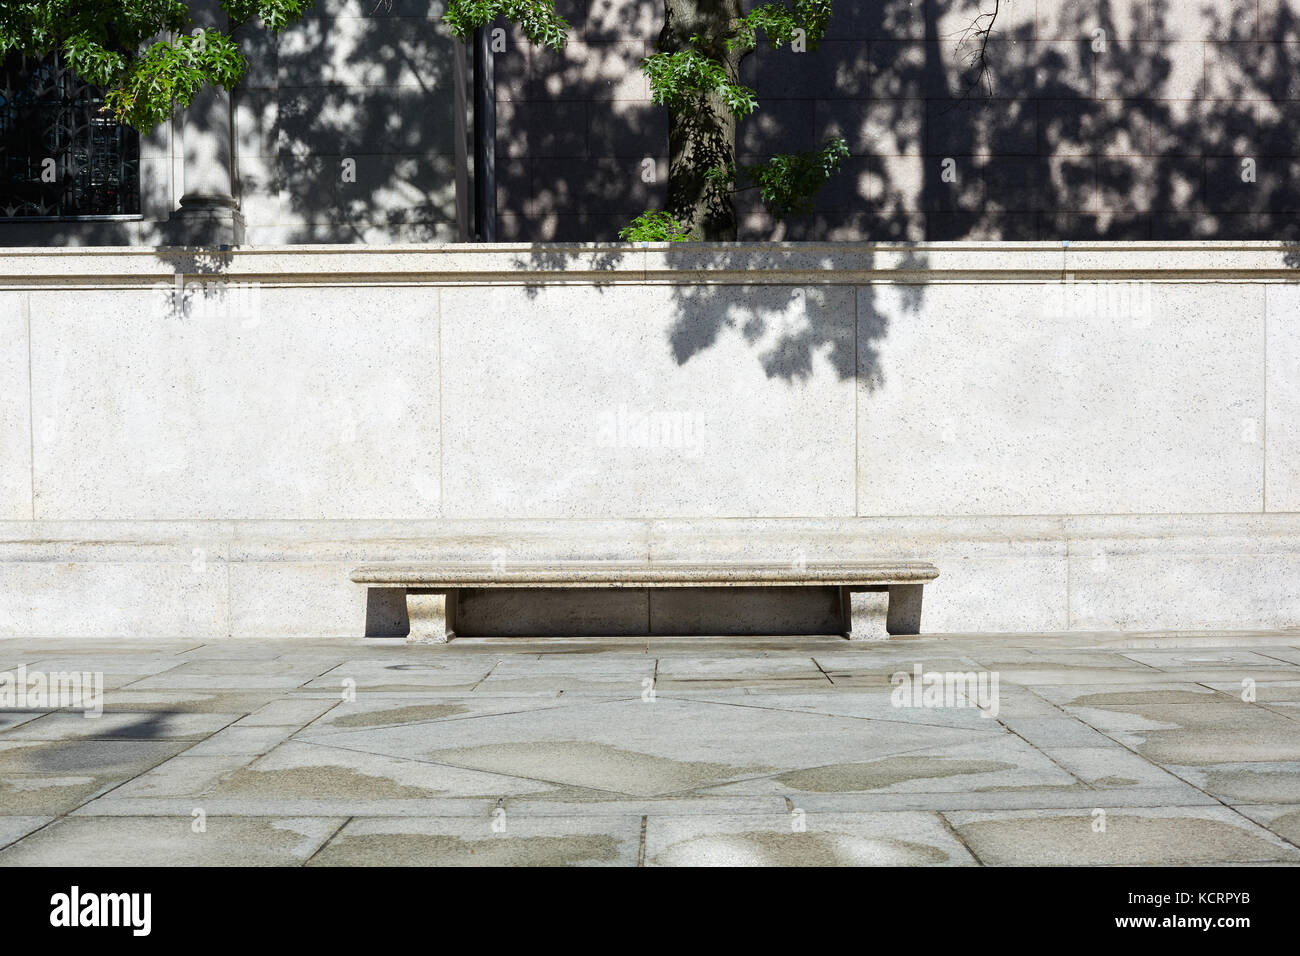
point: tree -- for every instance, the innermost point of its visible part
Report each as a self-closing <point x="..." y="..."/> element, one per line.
<point x="124" y="46"/>
<point x="695" y="74"/>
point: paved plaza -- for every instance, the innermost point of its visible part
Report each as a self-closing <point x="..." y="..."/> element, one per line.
<point x="1097" y="749"/>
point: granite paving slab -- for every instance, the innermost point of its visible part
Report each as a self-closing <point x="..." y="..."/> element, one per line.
<point x="500" y="838"/>
<point x="800" y="838"/>
<point x="668" y="751"/>
<point x="172" y="841"/>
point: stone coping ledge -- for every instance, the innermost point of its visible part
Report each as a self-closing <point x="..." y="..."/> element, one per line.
<point x="662" y="263"/>
<point x="614" y="574"/>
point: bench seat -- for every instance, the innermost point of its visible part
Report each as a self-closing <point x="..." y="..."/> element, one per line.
<point x="878" y="598"/>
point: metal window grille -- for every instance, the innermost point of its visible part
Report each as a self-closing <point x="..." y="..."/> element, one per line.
<point x="61" y="155"/>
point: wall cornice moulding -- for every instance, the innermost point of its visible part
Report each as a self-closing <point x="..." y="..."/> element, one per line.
<point x="660" y="263"/>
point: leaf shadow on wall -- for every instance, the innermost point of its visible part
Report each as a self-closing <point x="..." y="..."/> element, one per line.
<point x="1092" y="126"/>
<point x="345" y="126"/>
<point x="795" y="329"/>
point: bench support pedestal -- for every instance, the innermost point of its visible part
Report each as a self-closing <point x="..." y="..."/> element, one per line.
<point x="432" y="614"/>
<point x="866" y="611"/>
<point x="874" y="613"/>
<point x="905" y="608"/>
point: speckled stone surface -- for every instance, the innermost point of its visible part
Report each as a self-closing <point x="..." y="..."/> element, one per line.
<point x="631" y="574"/>
<point x="1066" y="466"/>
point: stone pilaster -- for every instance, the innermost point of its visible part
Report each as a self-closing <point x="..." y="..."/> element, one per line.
<point x="209" y="208"/>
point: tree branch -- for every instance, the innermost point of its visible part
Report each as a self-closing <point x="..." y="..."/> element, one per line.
<point x="975" y="39"/>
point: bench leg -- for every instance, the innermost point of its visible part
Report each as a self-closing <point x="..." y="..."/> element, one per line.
<point x="866" y="612"/>
<point x="905" y="608"/>
<point x="432" y="614"/>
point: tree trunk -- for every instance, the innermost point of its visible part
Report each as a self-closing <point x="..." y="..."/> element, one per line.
<point x="703" y="136"/>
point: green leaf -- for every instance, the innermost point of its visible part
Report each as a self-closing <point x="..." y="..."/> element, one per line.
<point x="655" y="226"/>
<point x="788" y="183"/>
<point x="678" y="80"/>
<point x="114" y="44"/>
<point x="538" y="19"/>
<point x="781" y="22"/>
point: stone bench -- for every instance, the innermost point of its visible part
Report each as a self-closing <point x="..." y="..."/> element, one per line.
<point x="877" y="598"/>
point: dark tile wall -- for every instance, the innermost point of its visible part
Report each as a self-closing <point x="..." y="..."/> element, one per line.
<point x="1117" y="119"/>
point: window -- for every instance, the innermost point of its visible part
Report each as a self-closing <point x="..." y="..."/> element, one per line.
<point x="61" y="155"/>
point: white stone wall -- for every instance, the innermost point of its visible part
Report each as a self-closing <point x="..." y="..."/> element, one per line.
<point x="1081" y="438"/>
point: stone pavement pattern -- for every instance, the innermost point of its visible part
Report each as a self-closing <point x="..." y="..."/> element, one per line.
<point x="701" y="751"/>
